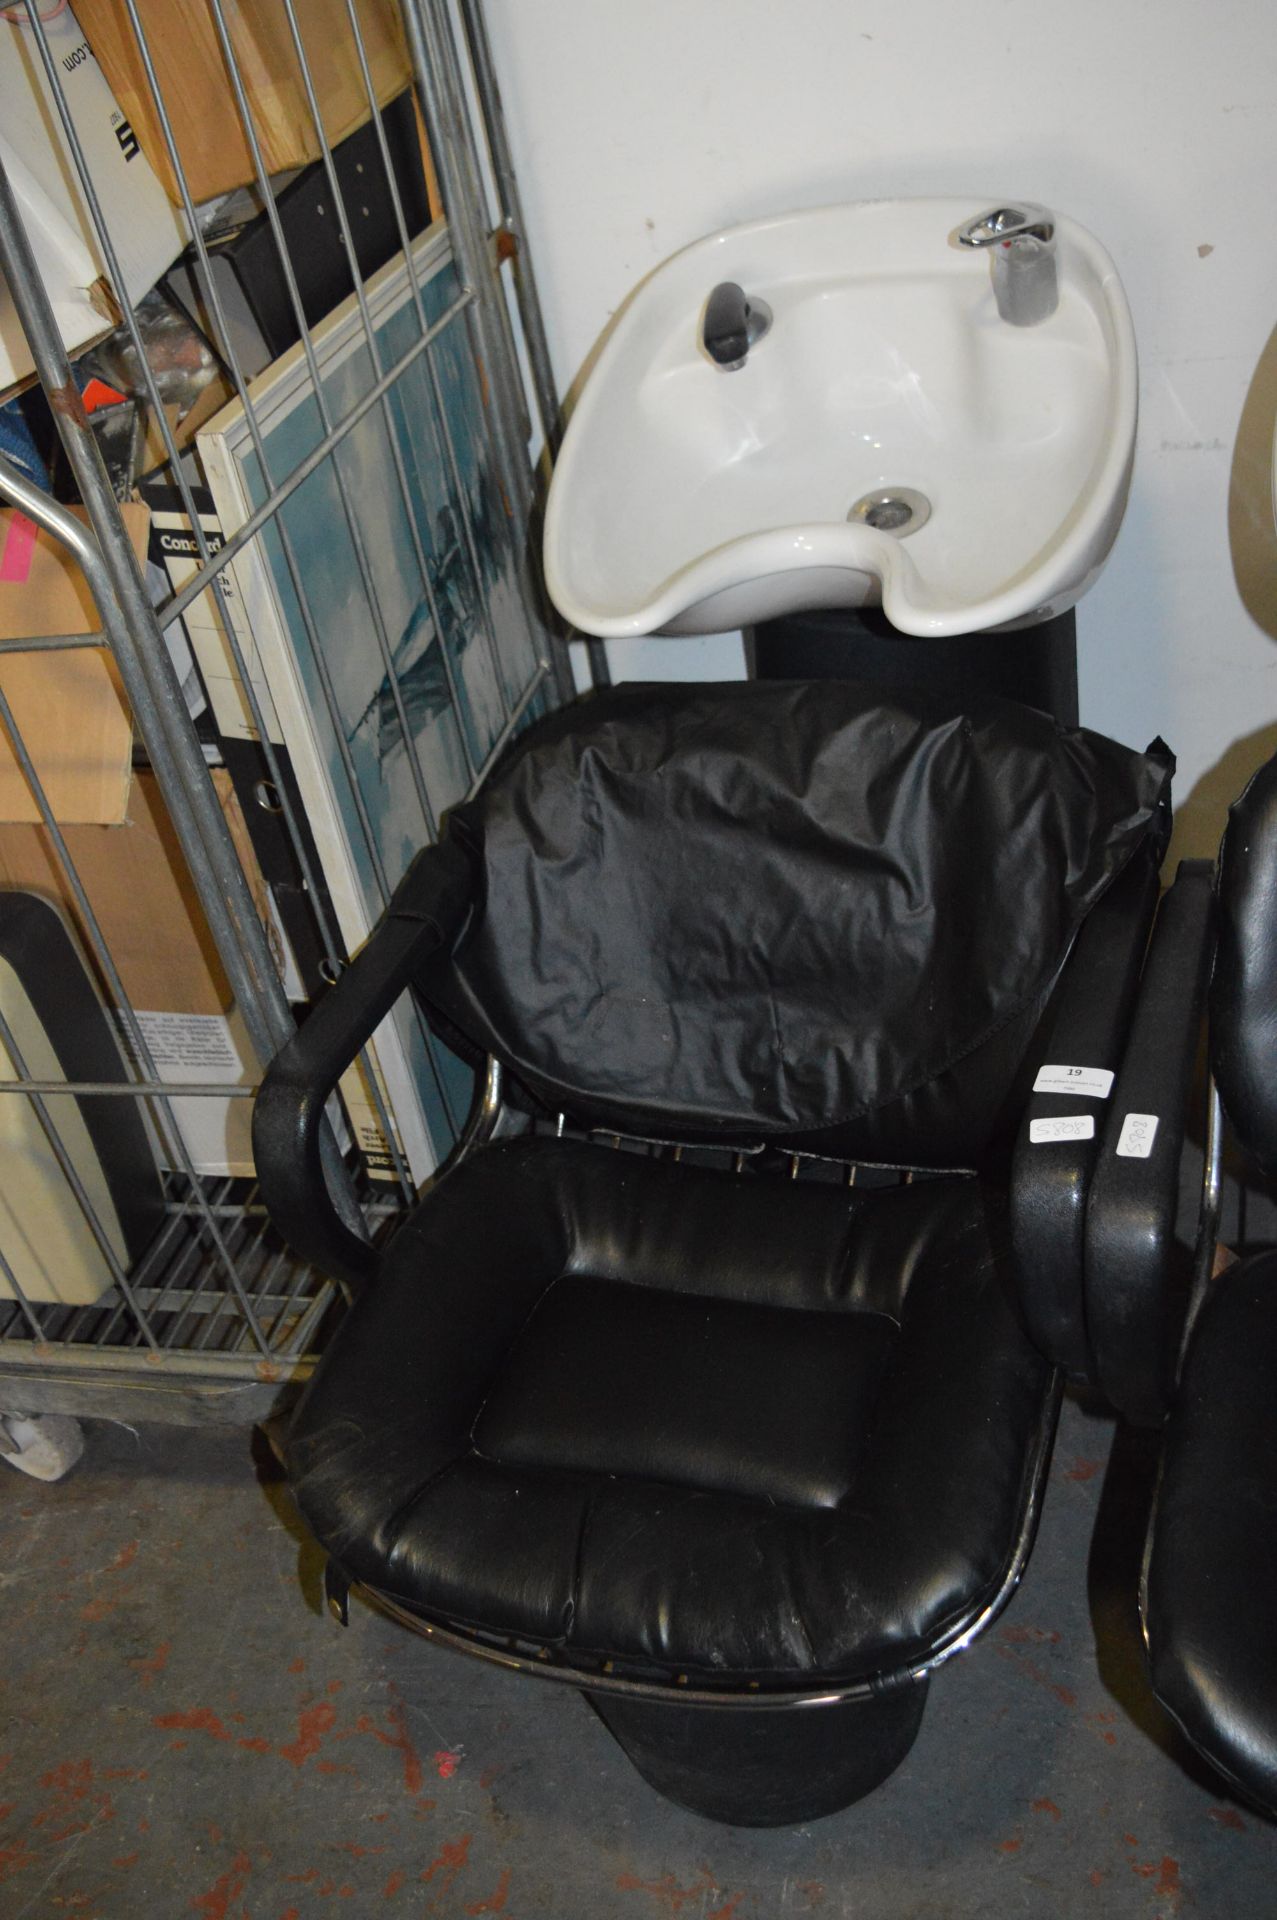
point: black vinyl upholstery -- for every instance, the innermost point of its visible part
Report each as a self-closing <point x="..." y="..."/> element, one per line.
<point x="1210" y="1598"/>
<point x="1210" y="1592"/>
<point x="647" y="1414"/>
<point x="788" y="912"/>
<point x="1138" y="1261"/>
<point x="1089" y="1022"/>
<point x="707" y="1421"/>
<point x="1243" y="993"/>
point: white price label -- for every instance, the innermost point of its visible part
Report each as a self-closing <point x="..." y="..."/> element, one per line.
<point x="1077" y="1126"/>
<point x="1094" y="1083"/>
<point x="1139" y="1130"/>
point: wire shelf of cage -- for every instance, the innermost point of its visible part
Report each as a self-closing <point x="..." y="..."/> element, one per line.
<point x="216" y="1322"/>
<point x="381" y="433"/>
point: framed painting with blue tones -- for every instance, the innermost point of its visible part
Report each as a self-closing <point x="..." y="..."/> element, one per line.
<point x="383" y="602"/>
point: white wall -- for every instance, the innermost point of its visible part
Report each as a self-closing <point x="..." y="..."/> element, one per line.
<point x="637" y="127"/>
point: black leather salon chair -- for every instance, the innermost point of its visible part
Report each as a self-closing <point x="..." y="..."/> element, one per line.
<point x="718" y="1375"/>
<point x="1209" y="1602"/>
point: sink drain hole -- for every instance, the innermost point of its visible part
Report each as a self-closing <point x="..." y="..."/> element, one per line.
<point x="898" y="510"/>
<point x="889" y="515"/>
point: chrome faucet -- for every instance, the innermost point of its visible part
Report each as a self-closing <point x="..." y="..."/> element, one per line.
<point x="1022" y="260"/>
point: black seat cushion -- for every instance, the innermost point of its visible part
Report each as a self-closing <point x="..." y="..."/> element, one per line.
<point x="689" y="1391"/>
<point x="639" y="1410"/>
<point x="1210" y="1595"/>
<point x="804" y="912"/>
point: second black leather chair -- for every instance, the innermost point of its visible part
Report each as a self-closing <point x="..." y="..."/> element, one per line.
<point x="1210" y="1590"/>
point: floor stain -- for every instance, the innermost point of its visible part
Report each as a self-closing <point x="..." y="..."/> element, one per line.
<point x="312" y="1724"/>
<point x="216" y="1903"/>
<point x="449" y="1863"/>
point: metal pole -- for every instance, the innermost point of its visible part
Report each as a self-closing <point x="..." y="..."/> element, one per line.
<point x="154" y="694"/>
<point x="147" y="673"/>
<point x="1208" y="1215"/>
<point x="392" y="438"/>
<point x="439" y="86"/>
<point x="544" y="387"/>
<point x="511" y="209"/>
<point x="218" y="881"/>
<point x="321" y="663"/>
<point x="212" y="565"/>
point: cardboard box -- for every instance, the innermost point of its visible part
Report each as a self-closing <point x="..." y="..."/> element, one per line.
<point x="248" y="311"/>
<point x="197" y="93"/>
<point x="57" y="1028"/>
<point x="217" y="394"/>
<point x="146" y="232"/>
<point x="142" y="895"/>
<point x="141" y="891"/>
<point x="69" y="707"/>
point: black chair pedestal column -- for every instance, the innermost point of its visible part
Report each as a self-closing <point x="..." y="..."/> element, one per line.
<point x="1037" y="665"/>
<point x="769" y="1766"/>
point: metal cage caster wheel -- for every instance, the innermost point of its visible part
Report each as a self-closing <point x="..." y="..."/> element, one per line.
<point x="44" y="1445"/>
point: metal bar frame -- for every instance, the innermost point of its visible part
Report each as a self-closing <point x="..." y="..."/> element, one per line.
<point x="216" y="1302"/>
<point x="244" y="109"/>
<point x="598" y="1676"/>
<point x="432" y="45"/>
<point x="517" y="251"/>
<point x="208" y="573"/>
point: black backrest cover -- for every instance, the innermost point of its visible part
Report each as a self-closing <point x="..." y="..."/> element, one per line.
<point x="789" y="911"/>
<point x="1243" y="991"/>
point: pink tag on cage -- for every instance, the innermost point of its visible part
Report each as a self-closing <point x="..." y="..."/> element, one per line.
<point x="19" y="545"/>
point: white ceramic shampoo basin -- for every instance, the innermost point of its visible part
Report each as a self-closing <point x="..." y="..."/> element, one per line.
<point x="690" y="499"/>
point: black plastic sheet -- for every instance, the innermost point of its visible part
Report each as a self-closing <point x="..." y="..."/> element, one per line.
<point x="774" y="908"/>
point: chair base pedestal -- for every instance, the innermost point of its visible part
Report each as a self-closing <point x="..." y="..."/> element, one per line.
<point x="1037" y="665"/>
<point x="777" y="1767"/>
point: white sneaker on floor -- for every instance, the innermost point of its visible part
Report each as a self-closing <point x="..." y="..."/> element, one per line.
<point x="44" y="1445"/>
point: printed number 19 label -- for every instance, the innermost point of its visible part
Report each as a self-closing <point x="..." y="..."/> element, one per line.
<point x="1094" y="1083"/>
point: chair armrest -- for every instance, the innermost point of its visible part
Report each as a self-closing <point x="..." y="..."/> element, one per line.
<point x="1050" y="1177"/>
<point x="1243" y="988"/>
<point x="428" y="908"/>
<point x="1135" y="1299"/>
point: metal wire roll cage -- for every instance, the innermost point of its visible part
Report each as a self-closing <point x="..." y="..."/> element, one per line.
<point x="215" y="1319"/>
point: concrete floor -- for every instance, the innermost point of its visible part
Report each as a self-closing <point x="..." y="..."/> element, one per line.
<point x="185" y="1733"/>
